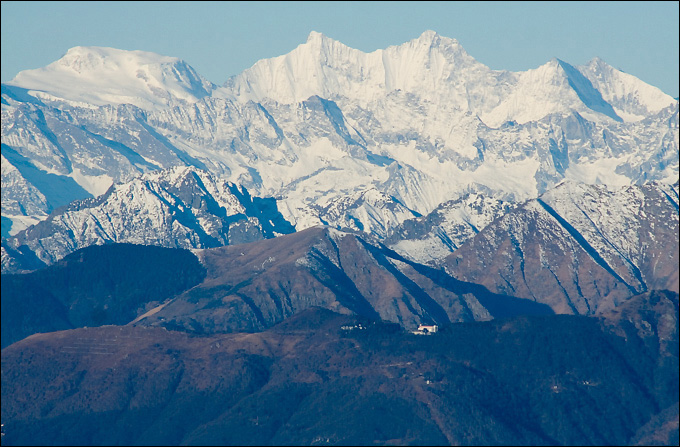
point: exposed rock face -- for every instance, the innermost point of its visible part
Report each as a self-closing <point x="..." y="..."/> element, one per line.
<point x="251" y="287"/>
<point x="580" y="249"/>
<point x="662" y="429"/>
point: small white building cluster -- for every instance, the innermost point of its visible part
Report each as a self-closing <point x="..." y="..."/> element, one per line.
<point x="425" y="329"/>
<point x="353" y="327"/>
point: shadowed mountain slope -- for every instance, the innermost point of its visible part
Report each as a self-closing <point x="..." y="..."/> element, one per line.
<point x="246" y="287"/>
<point x="253" y="286"/>
<point x="319" y="377"/>
<point x="98" y="285"/>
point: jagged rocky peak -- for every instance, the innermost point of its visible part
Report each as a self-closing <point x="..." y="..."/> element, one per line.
<point x="432" y="67"/>
<point x="99" y="75"/>
<point x="325" y="67"/>
<point x="320" y="66"/>
<point x="324" y="49"/>
<point x="431" y="36"/>
<point x="181" y="207"/>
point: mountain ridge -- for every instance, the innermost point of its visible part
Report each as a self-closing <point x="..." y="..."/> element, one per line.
<point x="319" y="376"/>
<point x="582" y="249"/>
<point x="409" y="120"/>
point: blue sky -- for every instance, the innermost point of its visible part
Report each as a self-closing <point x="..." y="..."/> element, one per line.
<point x="220" y="39"/>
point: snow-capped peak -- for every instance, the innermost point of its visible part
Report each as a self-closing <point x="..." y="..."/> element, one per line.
<point x="431" y="69"/>
<point x="427" y="38"/>
<point x="554" y="87"/>
<point x="426" y="65"/>
<point x="632" y="98"/>
<point x="437" y="70"/>
<point x="428" y="35"/>
<point x="319" y="42"/>
<point x="432" y="39"/>
<point x="99" y="75"/>
<point x="315" y="36"/>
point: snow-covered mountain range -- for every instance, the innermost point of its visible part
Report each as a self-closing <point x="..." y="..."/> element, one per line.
<point x="581" y="249"/>
<point x="336" y="136"/>
<point x="180" y="207"/>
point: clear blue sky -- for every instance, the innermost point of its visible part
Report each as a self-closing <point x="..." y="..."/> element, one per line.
<point x="220" y="39"/>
